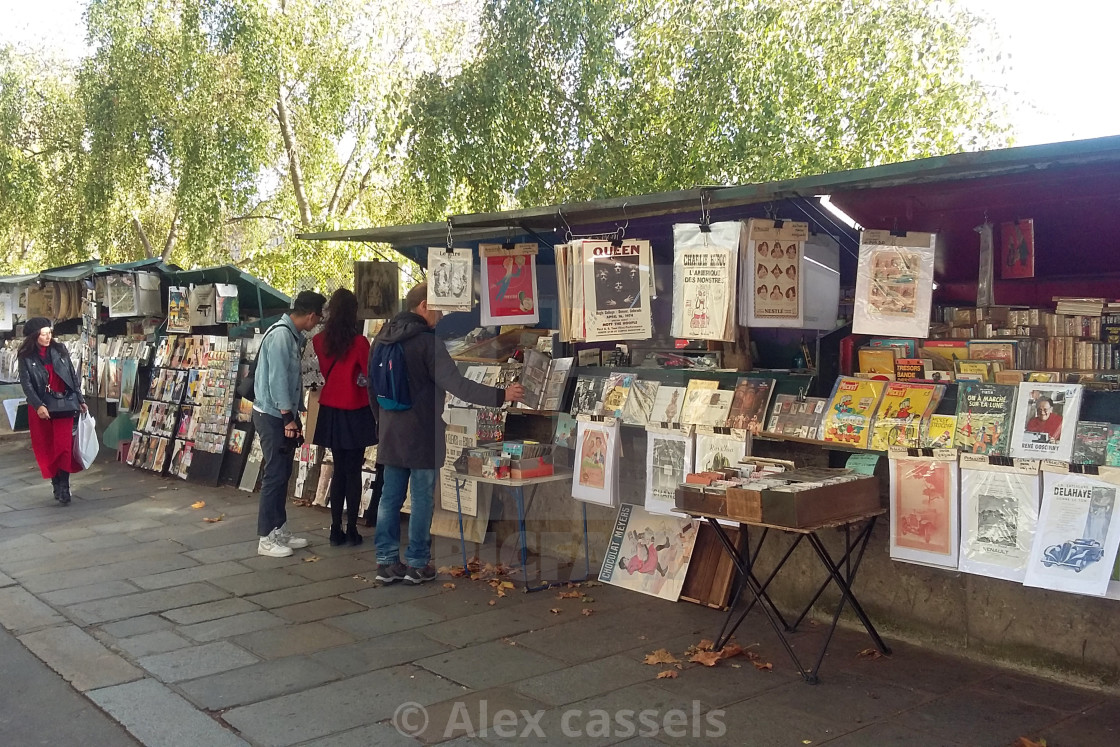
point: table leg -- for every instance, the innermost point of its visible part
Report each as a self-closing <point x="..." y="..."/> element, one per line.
<point x="846" y="561"/>
<point x="726" y="632"/>
<point x="846" y="595"/>
<point x="459" y="510"/>
<point x="519" y="497"/>
<point x="586" y="551"/>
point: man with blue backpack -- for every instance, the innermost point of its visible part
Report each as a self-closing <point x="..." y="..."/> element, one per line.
<point x="410" y="371"/>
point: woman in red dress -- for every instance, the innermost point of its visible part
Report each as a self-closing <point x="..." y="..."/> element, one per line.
<point x="345" y="424"/>
<point x="46" y="372"/>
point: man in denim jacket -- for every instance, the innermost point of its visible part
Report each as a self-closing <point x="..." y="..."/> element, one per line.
<point x="279" y="397"/>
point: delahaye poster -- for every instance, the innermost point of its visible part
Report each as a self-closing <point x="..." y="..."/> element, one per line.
<point x="616" y="290"/>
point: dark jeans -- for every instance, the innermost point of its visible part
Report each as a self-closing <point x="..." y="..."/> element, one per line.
<point x="346" y="484"/>
<point x="275" y="472"/>
<point x="388" y="534"/>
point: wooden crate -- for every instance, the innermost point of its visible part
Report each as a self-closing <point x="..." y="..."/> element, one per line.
<point x="820" y="505"/>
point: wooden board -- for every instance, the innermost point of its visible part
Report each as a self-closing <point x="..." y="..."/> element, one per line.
<point x="711" y="573"/>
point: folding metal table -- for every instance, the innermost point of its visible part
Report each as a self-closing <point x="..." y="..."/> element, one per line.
<point x="517" y="488"/>
<point x="841" y="573"/>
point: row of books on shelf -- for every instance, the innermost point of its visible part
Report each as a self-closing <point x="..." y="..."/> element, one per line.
<point x="999" y="361"/>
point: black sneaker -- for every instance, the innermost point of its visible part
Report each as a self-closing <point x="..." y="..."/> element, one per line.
<point x="420" y="575"/>
<point x="391" y="573"/>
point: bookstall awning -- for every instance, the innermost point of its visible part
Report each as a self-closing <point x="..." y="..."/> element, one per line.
<point x="76" y="271"/>
<point x="913" y="194"/>
<point x="252" y="292"/>
<point x="18" y="279"/>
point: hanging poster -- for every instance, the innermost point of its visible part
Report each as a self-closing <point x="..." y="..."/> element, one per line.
<point x="649" y="553"/>
<point x="668" y="461"/>
<point x="718" y="451"/>
<point x="178" y="310"/>
<point x="595" y="478"/>
<point x="773" y="282"/>
<point x="5" y="312"/>
<point x="147" y="294"/>
<point x="202" y="305"/>
<point x="128" y="382"/>
<point x="705" y="276"/>
<point x="1045" y="421"/>
<point x="616" y="290"/>
<point x="449" y="279"/>
<point x="227" y="305"/>
<point x="509" y="284"/>
<point x="1078" y="532"/>
<point x="894" y="284"/>
<point x="1016" y="243"/>
<point x="121" y="291"/>
<point x="924" y="511"/>
<point x="377" y="286"/>
<point x="999" y="514"/>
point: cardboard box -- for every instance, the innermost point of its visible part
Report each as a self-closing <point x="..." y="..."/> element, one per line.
<point x="522" y="469"/>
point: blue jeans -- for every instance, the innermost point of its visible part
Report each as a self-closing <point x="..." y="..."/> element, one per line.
<point x="275" y="472"/>
<point x="388" y="533"/>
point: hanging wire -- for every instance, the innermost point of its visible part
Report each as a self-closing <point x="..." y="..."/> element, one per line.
<point x="449" y="249"/>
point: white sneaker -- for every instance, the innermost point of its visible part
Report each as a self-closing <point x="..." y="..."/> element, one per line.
<point x="286" y="538"/>
<point x="269" y="547"/>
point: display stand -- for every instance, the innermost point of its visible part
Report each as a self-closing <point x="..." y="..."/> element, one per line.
<point x="517" y="488"/>
<point x="841" y="573"/>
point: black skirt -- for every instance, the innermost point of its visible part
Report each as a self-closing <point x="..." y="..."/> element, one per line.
<point x="345" y="429"/>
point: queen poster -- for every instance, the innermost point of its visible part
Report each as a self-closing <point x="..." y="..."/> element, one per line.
<point x="509" y="284"/>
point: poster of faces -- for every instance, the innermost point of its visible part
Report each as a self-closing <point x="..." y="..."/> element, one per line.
<point x="449" y="279"/>
<point x="616" y="290"/>
<point x="774" y="283"/>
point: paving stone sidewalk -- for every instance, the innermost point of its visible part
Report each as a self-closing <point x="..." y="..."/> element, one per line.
<point x="181" y="633"/>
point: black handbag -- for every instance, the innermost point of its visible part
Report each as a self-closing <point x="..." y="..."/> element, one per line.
<point x="61" y="405"/>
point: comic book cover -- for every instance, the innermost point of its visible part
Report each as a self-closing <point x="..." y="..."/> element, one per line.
<point x="898" y="421"/>
<point x="984" y="418"/>
<point x="851" y="410"/>
<point x="792" y="416"/>
<point x="940" y="430"/>
<point x="749" y="403"/>
<point x="1090" y="445"/>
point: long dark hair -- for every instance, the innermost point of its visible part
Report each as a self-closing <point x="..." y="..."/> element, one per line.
<point x="30" y="344"/>
<point x="342" y="323"/>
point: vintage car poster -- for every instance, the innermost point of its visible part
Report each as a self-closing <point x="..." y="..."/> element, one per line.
<point x="616" y="290"/>
<point x="894" y="284"/>
<point x="999" y="515"/>
<point x="773" y="286"/>
<point x="1045" y="421"/>
<point x="705" y="277"/>
<point x="449" y="279"/>
<point x="178" y="310"/>
<point x="1078" y="533"/>
<point x="648" y="553"/>
<point x="1016" y="243"/>
<point x="595" y="478"/>
<point x="377" y="286"/>
<point x="924" y="515"/>
<point x="668" y="461"/>
<point x="509" y="284"/>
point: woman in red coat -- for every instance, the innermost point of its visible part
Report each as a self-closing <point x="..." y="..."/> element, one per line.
<point x="46" y="373"/>
<point x="346" y="425"/>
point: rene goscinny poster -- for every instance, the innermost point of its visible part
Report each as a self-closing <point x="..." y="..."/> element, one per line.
<point x="616" y="290"/>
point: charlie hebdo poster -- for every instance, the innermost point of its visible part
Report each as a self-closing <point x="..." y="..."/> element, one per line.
<point x="705" y="265"/>
<point x="616" y="290"/>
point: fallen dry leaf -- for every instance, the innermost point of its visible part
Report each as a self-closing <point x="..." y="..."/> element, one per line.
<point x="707" y="658"/>
<point x="589" y="584"/>
<point x="311" y="559"/>
<point x="872" y="653"/>
<point x="556" y="610"/>
<point x="586" y="599"/>
<point x="198" y="504"/>
<point x="212" y="519"/>
<point x="668" y="674"/>
<point x="569" y="595"/>
<point x="763" y="666"/>
<point x="661" y="656"/>
<point x="501" y="592"/>
<point x="492" y="602"/>
<point x="1025" y="742"/>
<point x="736" y="666"/>
<point x="105" y="489"/>
<point x="506" y="584"/>
<point x="731" y="649"/>
<point x="586" y="612"/>
<point x="449" y="585"/>
<point x="301" y="502"/>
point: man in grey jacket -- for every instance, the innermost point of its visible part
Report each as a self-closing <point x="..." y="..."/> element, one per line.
<point x="279" y="397"/>
<point x="411" y="447"/>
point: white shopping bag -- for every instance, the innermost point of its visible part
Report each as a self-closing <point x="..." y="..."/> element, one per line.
<point x="87" y="440"/>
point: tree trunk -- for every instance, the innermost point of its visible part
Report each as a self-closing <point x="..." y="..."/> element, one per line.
<point x="172" y="235"/>
<point x="294" y="168"/>
<point x="354" y="198"/>
<point x="148" y="253"/>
